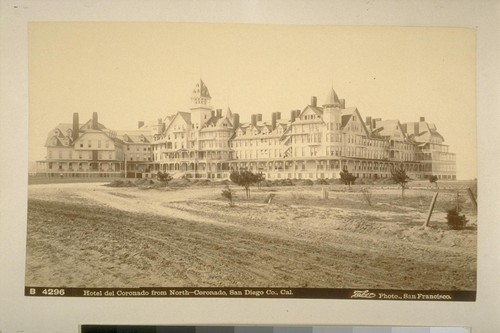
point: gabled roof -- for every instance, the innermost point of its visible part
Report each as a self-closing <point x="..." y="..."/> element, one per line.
<point x="222" y="120"/>
<point x="63" y="129"/>
<point x="389" y="127"/>
<point x="318" y="110"/>
<point x="59" y="142"/>
<point x="88" y="125"/>
<point x="106" y="133"/>
<point x="185" y="115"/>
<point x="212" y="121"/>
<point x="346" y="115"/>
<point x="135" y="136"/>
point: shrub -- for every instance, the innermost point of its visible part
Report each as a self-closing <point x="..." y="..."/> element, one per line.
<point x="305" y="182"/>
<point x="283" y="182"/>
<point x="367" y="194"/>
<point x="163" y="176"/>
<point x="201" y="182"/>
<point x="455" y="220"/>
<point x="121" y="183"/>
<point x="335" y="181"/>
<point x="434" y="179"/>
<point x="228" y="194"/>
<point x="347" y="177"/>
<point x="321" y="181"/>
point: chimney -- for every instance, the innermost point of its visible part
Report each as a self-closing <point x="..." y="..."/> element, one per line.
<point x="259" y="116"/>
<point x="297" y="114"/>
<point x="76" y="126"/>
<point x="219" y="113"/>
<point x="278" y="115"/>
<point x="254" y="119"/>
<point x="368" y="121"/>
<point x="342" y="103"/>
<point x="292" y="116"/>
<point x="374" y="123"/>
<point x="273" y="120"/>
<point x="236" y="120"/>
<point x="314" y="101"/>
<point x="213" y="113"/>
<point x="160" y="128"/>
<point x="140" y="124"/>
<point x="94" y="121"/>
<point x="422" y="118"/>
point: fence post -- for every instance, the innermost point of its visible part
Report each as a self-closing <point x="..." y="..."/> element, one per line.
<point x="472" y="198"/>
<point x="431" y="208"/>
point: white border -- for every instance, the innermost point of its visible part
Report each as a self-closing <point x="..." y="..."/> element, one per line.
<point x="19" y="313"/>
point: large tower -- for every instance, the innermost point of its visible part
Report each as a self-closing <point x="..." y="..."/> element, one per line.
<point x="201" y="109"/>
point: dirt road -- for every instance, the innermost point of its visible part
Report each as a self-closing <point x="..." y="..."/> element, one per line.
<point x="89" y="235"/>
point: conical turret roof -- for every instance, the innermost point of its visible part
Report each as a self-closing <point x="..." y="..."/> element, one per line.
<point x="332" y="98"/>
<point x="229" y="113"/>
<point x="201" y="90"/>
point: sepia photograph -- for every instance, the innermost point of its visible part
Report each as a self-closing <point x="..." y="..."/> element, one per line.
<point x="245" y="160"/>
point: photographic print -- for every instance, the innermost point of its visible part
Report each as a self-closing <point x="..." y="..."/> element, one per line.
<point x="233" y="160"/>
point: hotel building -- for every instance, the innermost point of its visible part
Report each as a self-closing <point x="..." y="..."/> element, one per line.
<point x="315" y="142"/>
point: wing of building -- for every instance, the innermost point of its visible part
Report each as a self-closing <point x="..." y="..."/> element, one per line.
<point x="315" y="142"/>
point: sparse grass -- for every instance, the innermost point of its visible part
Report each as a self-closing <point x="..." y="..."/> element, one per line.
<point x="298" y="196"/>
<point x="57" y="180"/>
<point x="343" y="241"/>
<point x="367" y="194"/>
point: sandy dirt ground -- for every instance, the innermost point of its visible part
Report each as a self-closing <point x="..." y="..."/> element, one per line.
<point x="90" y="235"/>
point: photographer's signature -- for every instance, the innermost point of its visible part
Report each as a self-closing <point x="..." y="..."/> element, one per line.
<point x="363" y="294"/>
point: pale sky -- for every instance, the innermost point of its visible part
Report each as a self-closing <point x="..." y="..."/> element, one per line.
<point x="142" y="71"/>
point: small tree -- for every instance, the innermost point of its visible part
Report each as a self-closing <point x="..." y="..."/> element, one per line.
<point x="163" y="176"/>
<point x="347" y="177"/>
<point x="228" y="194"/>
<point x="400" y="177"/>
<point x="434" y="179"/>
<point x="244" y="179"/>
<point x="259" y="179"/>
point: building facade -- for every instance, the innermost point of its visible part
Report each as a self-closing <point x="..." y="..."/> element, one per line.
<point x="315" y="142"/>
